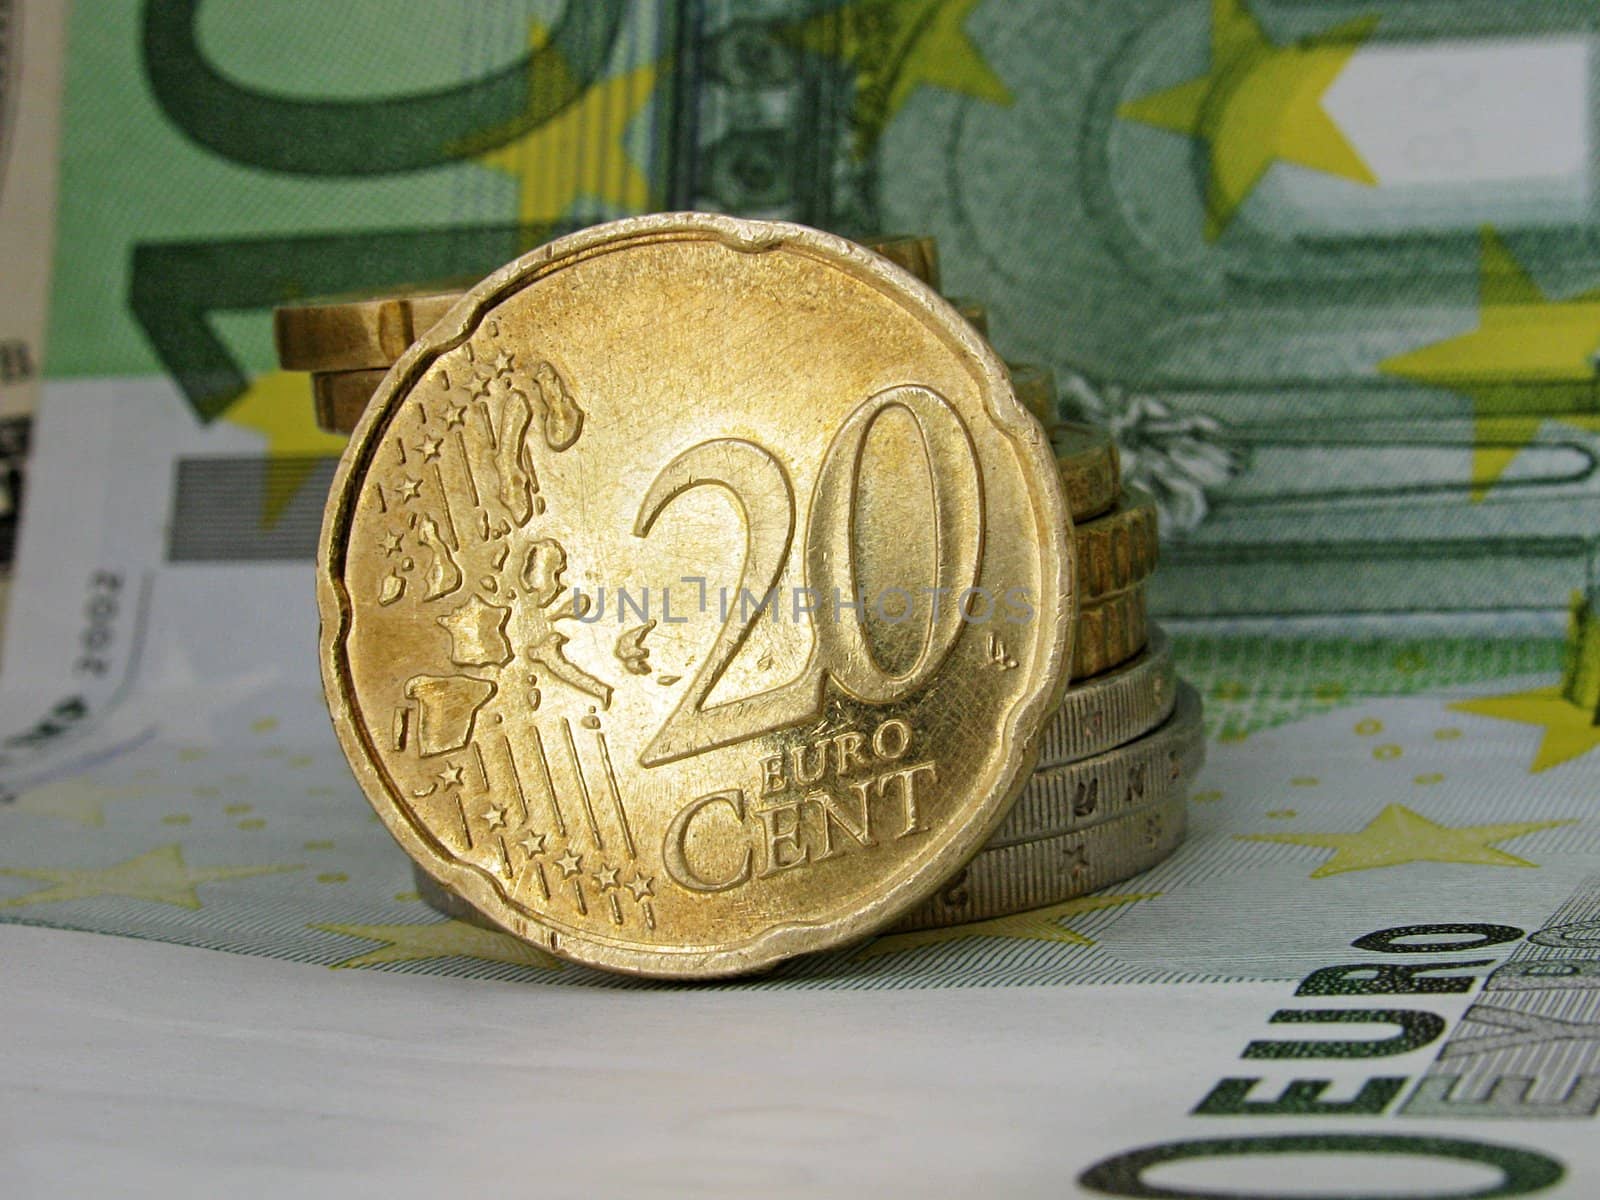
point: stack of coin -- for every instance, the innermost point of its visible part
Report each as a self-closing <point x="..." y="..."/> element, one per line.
<point x="1107" y="796"/>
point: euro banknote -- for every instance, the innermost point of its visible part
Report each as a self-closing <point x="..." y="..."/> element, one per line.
<point x="1328" y="270"/>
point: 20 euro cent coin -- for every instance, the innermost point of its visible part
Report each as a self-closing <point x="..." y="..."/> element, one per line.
<point x="693" y="595"/>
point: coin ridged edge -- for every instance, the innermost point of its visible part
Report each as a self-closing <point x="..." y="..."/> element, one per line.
<point x="1113" y="708"/>
<point x="1110" y="632"/>
<point x="976" y="314"/>
<point x="1091" y="469"/>
<point x="1119" y="549"/>
<point x="917" y="253"/>
<point x="1036" y="388"/>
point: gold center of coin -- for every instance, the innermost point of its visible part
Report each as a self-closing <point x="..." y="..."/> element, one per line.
<point x="693" y="595"/>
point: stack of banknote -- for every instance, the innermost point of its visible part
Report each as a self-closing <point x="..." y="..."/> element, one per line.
<point x="1107" y="799"/>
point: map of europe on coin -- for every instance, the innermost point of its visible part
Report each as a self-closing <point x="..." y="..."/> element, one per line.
<point x="694" y="594"/>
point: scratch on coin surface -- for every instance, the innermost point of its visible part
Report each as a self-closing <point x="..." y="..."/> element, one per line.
<point x="449" y="517"/>
<point x="583" y="784"/>
<point x="544" y="778"/>
<point x="616" y="796"/>
<point x="516" y="778"/>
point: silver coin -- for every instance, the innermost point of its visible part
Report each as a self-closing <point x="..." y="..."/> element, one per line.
<point x="1112" y="709"/>
<point x="1059" y="799"/>
<point x="1033" y="874"/>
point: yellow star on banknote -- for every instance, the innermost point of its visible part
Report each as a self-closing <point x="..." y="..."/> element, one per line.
<point x="1398" y="836"/>
<point x="898" y="46"/>
<point x="1260" y="104"/>
<point x="72" y="799"/>
<point x="440" y="939"/>
<point x="580" y="153"/>
<point x="1038" y="925"/>
<point x="159" y="876"/>
<point x="1527" y="349"/>
<point x="1569" y="730"/>
<point x="277" y="405"/>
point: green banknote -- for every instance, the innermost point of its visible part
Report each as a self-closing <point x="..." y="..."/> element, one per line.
<point x="1328" y="270"/>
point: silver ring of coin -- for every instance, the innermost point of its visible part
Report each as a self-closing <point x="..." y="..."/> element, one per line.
<point x="1060" y="799"/>
<point x="1033" y="874"/>
<point x="1110" y="710"/>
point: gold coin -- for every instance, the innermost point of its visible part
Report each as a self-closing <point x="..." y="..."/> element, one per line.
<point x="362" y="333"/>
<point x="1034" y="874"/>
<point x="976" y="315"/>
<point x="356" y="334"/>
<point x="1119" y="549"/>
<point x="1109" y="632"/>
<point x="1090" y="468"/>
<point x="340" y="397"/>
<point x="1035" y="386"/>
<point x="913" y="252"/>
<point x="686" y="783"/>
